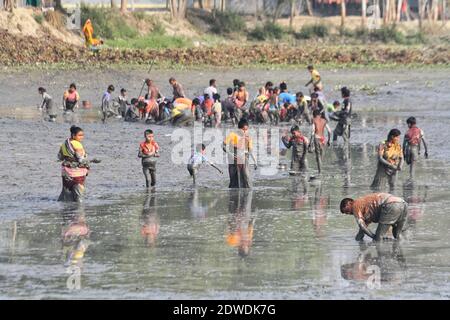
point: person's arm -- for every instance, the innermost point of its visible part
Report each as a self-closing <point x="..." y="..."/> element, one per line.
<point x="425" y="145"/>
<point x="253" y="158"/>
<point x="384" y="161"/>
<point x="313" y="131"/>
<point x="60" y="155"/>
<point x="360" y="235"/>
<point x="400" y="163"/>
<point x="305" y="147"/>
<point x="329" y="134"/>
<point x="404" y="146"/>
<point x="363" y="227"/>
<point x="215" y="167"/>
<point x="64" y="102"/>
<point x="77" y="100"/>
<point x="309" y="82"/>
<point x="287" y="143"/>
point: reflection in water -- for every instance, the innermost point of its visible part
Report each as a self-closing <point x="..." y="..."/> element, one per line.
<point x="319" y="205"/>
<point x="240" y="223"/>
<point x="300" y="193"/>
<point x="381" y="262"/>
<point x="75" y="235"/>
<point x="198" y="210"/>
<point x="415" y="196"/>
<point x="149" y="219"/>
<point x="345" y="162"/>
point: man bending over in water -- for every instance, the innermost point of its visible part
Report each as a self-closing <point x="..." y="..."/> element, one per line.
<point x="382" y="208"/>
<point x="319" y="124"/>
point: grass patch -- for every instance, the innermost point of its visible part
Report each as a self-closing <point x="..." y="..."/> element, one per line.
<point x="227" y="22"/>
<point x="108" y="23"/>
<point x="313" y="30"/>
<point x="152" y="40"/>
<point x="139" y="15"/>
<point x="39" y="18"/>
<point x="387" y="34"/>
<point x="268" y="31"/>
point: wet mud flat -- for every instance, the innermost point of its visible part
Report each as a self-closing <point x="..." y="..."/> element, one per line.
<point x="284" y="239"/>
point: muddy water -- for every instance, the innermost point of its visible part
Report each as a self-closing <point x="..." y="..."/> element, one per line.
<point x="284" y="239"/>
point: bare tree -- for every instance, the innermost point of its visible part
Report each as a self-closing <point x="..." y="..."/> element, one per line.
<point x="364" y="13"/>
<point x="178" y="9"/>
<point x="8" y="5"/>
<point x="444" y="12"/>
<point x="123" y="6"/>
<point x="277" y="11"/>
<point x="113" y="3"/>
<point x="309" y="7"/>
<point x="343" y="13"/>
<point x="292" y="13"/>
<point x="420" y="5"/>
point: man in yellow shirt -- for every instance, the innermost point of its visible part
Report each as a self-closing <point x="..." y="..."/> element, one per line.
<point x="316" y="79"/>
<point x="239" y="147"/>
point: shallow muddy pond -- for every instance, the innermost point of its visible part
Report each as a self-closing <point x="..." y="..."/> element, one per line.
<point x="284" y="239"/>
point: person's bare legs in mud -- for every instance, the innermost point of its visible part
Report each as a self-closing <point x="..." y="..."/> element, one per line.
<point x="319" y="124"/>
<point x="411" y="145"/>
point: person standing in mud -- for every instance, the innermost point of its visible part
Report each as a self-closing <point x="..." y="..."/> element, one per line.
<point x="319" y="124"/>
<point x="123" y="103"/>
<point x="47" y="104"/>
<point x="71" y="98"/>
<point x="74" y="166"/>
<point x="241" y="97"/>
<point x="299" y="144"/>
<point x="239" y="147"/>
<point x="411" y="145"/>
<point x="177" y="88"/>
<point x="148" y="151"/>
<point x="152" y="108"/>
<point x="302" y="108"/>
<point x="315" y="104"/>
<point x="108" y="104"/>
<point x="343" y="117"/>
<point x="390" y="160"/>
<point x="316" y="79"/>
<point x="274" y="112"/>
<point x="212" y="89"/>
<point x="229" y="107"/>
<point x="382" y="208"/>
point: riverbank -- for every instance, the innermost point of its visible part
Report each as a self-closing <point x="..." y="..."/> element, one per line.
<point x="30" y="51"/>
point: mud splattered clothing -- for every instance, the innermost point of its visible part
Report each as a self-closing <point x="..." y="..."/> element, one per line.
<point x="299" y="150"/>
<point x="74" y="169"/>
<point x="147" y="152"/>
<point x="48" y="106"/>
<point x="238" y="146"/>
<point x="390" y="157"/>
<point x="382" y="208"/>
<point x="411" y="144"/>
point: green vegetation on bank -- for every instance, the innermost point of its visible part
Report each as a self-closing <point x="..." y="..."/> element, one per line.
<point x="139" y="30"/>
<point x="118" y="31"/>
